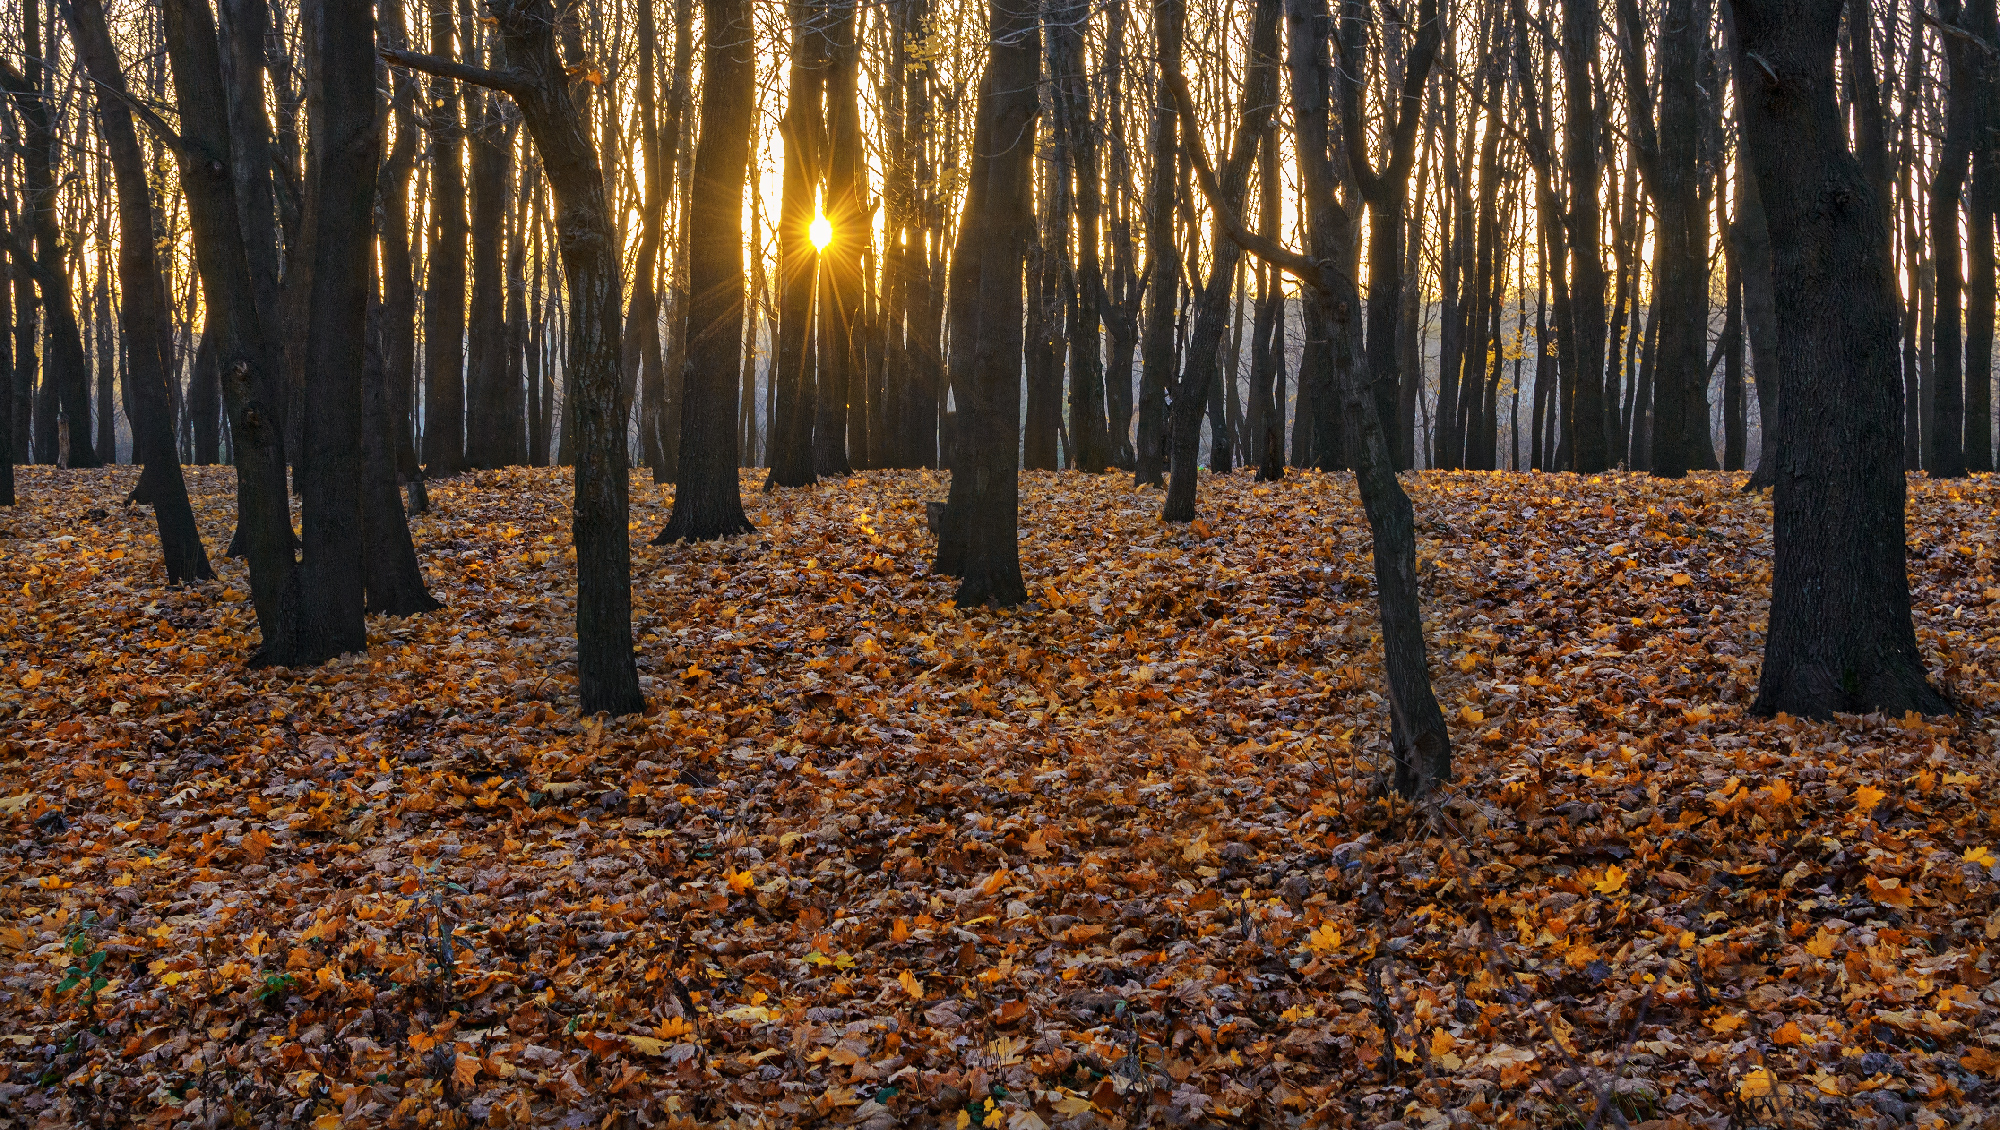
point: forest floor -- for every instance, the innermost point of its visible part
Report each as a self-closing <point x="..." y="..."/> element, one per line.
<point x="1117" y="858"/>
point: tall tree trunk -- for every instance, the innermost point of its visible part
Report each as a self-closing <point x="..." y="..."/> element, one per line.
<point x="840" y="278"/>
<point x="707" y="500"/>
<point x="994" y="233"/>
<point x="1594" y="419"/>
<point x="1386" y="192"/>
<point x="491" y="144"/>
<point x="245" y="358"/>
<point x="793" y="368"/>
<point x="1945" y="453"/>
<point x="445" y="252"/>
<point x="1075" y="132"/>
<point x="1267" y="335"/>
<point x="1163" y="260"/>
<point x="1211" y="314"/>
<point x="1840" y="635"/>
<point x="1735" y="421"/>
<point x="144" y="311"/>
<point x="398" y="316"/>
<point x="66" y="371"/>
<point x="607" y="678"/>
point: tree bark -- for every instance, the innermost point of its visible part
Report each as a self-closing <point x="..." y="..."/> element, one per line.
<point x="708" y="501"/>
<point x="444" y="253"/>
<point x="1163" y="259"/>
<point x="245" y="357"/>
<point x="1841" y="636"/>
<point x="144" y="311"/>
<point x="607" y="678"/>
<point x="792" y="463"/>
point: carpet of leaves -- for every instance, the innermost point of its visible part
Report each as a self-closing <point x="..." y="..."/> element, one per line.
<point x="1118" y="858"/>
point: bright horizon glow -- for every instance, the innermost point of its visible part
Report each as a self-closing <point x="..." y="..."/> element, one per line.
<point x="821" y="232"/>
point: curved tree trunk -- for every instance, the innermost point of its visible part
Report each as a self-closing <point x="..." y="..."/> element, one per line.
<point x="144" y="311"/>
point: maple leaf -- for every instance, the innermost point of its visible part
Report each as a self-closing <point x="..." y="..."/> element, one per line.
<point x="911" y="985"/>
<point x="1612" y="882"/>
<point x="1867" y="798"/>
<point x="1980" y="855"/>
<point x="465" y="1069"/>
<point x="742" y="881"/>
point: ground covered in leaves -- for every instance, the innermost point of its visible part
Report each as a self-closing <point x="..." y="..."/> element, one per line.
<point x="1120" y="858"/>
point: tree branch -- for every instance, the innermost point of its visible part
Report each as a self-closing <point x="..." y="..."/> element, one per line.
<point x="1270" y="250"/>
<point x="505" y="82"/>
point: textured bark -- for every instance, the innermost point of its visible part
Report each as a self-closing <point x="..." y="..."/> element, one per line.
<point x="1595" y="417"/>
<point x="1840" y="636"/>
<point x="66" y="370"/>
<point x="708" y="502"/>
<point x="398" y="317"/>
<point x="444" y="255"/>
<point x="840" y="277"/>
<point x="1191" y="393"/>
<point x="392" y="575"/>
<point x="1944" y="451"/>
<point x="793" y="365"/>
<point x="346" y="146"/>
<point x="1163" y="260"/>
<point x="144" y="310"/>
<point x="607" y="678"/>
<point x="1386" y="192"/>
<point x="486" y="424"/>
<point x="245" y="358"/>
<point x="1075" y="134"/>
<point x="994" y="233"/>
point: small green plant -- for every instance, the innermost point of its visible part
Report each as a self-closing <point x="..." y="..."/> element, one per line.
<point x="276" y="986"/>
<point x="87" y="962"/>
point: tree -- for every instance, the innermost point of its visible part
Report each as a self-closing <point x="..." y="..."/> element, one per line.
<point x="792" y="368"/>
<point x="244" y="357"/>
<point x="1211" y="313"/>
<point x="607" y="677"/>
<point x="708" y="502"/>
<point x="444" y="254"/>
<point x="143" y="311"/>
<point x="1840" y="636"/>
<point x="986" y="309"/>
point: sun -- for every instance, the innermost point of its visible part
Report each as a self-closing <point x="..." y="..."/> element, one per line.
<point x="821" y="231"/>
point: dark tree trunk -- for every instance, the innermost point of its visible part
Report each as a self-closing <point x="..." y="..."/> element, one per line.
<point x="1841" y="637"/>
<point x="245" y="358"/>
<point x="1984" y="203"/>
<point x="1163" y="260"/>
<point x="392" y="575"/>
<point x="994" y="233"/>
<point x="840" y="277"/>
<point x="66" y="370"/>
<point x="1267" y="335"/>
<point x="144" y="310"/>
<point x="1386" y="192"/>
<point x="1075" y="133"/>
<point x="26" y="357"/>
<point x="1191" y="393"/>
<point x="1944" y="451"/>
<point x="346" y="146"/>
<point x="643" y="366"/>
<point x="607" y="679"/>
<point x="445" y="253"/>
<point x="204" y="401"/>
<point x="491" y="144"/>
<point x="1750" y="239"/>
<point x="792" y="367"/>
<point x="1417" y="728"/>
<point x="1120" y="301"/>
<point x="1735" y="414"/>
<point x="708" y="502"/>
<point x="1592" y="418"/>
<point x="398" y="316"/>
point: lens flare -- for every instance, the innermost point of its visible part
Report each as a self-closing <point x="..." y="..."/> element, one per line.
<point x="821" y="231"/>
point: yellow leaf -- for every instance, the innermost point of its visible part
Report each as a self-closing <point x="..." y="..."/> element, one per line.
<point x="1680" y="579"/>
<point x="1789" y="1034"/>
<point x="900" y="932"/>
<point x="647" y="1045"/>
<point x="465" y="1069"/>
<point x="1613" y="881"/>
<point x="1469" y="715"/>
<point x="1890" y="891"/>
<point x="1979" y="855"/>
<point x="994" y="882"/>
<point x="31" y="680"/>
<point x="1441" y="1042"/>
<point x="1759" y="1084"/>
<point x="1821" y="945"/>
<point x="1780" y="791"/>
<point x="1867" y="797"/>
<point x="327" y="1122"/>
<point x="911" y="985"/>
<point x="1724" y="1025"/>
<point x="742" y="881"/>
<point x="1325" y="939"/>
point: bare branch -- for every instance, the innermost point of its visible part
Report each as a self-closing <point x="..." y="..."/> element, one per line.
<point x="505" y="82"/>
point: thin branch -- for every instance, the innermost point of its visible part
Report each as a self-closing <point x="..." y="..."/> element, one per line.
<point x="505" y="82"/>
<point x="1270" y="250"/>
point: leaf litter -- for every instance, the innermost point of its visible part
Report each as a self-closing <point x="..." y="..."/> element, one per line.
<point x="1121" y="857"/>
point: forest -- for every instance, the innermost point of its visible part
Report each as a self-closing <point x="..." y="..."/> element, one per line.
<point x="1314" y="563"/>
